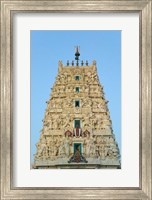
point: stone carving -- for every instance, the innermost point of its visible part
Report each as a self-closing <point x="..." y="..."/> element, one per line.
<point x="86" y="121"/>
<point x="95" y="104"/>
<point x="67" y="121"/>
<point x="68" y="103"/>
<point x="67" y="147"/>
<point x="58" y="140"/>
<point x="86" y="102"/>
<point x="86" y="88"/>
<point x="64" y="149"/>
<point x="87" y="147"/>
<point x="60" y="63"/>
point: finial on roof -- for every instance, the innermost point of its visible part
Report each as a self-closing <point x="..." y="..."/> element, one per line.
<point x="60" y="66"/>
<point x="67" y="62"/>
<point x="94" y="62"/>
<point x="60" y="63"/>
<point x="77" y="54"/>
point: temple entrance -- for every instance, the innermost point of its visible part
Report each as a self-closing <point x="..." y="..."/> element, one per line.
<point x="77" y="156"/>
<point x="78" y="147"/>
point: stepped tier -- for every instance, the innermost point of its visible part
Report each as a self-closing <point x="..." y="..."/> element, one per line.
<point x="77" y="129"/>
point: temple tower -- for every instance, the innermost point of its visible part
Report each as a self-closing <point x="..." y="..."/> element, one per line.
<point x="77" y="129"/>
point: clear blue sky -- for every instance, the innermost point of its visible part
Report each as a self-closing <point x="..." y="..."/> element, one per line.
<point x="48" y="47"/>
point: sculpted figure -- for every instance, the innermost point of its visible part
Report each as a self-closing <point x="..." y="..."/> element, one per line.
<point x="63" y="88"/>
<point x="52" y="104"/>
<point x="51" y="149"/>
<point x="70" y="88"/>
<point x="88" y="150"/>
<point x="95" y="79"/>
<point x="106" y="150"/>
<point x="92" y="147"/>
<point x="98" y="139"/>
<point x="57" y="143"/>
<point x="55" y="150"/>
<point x="60" y="104"/>
<point x="92" y="77"/>
<point x="67" y="147"/>
<point x="62" y="149"/>
<point x="86" y="121"/>
<point x="39" y="151"/>
<point x="88" y="145"/>
<point x="95" y="104"/>
<point x="84" y="148"/>
<point x="44" y="147"/>
<point x="102" y="151"/>
<point x="111" y="140"/>
<point x="94" y="63"/>
<point x="57" y="82"/>
<point x="60" y="63"/>
<point x="110" y="154"/>
<point x="55" y="125"/>
<point x="112" y="151"/>
<point x="67" y="120"/>
<point x="46" y="124"/>
<point x="94" y="121"/>
<point x="69" y="78"/>
<point x="60" y="66"/>
<point x="69" y="103"/>
<point x="86" y="88"/>
<point x="86" y="102"/>
<point x="51" y="122"/>
<point x="63" y="78"/>
<point x="58" y="122"/>
<point x="71" y="145"/>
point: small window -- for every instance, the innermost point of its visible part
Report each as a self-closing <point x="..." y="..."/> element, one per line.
<point x="77" y="78"/>
<point x="77" y="103"/>
<point x="77" y="123"/>
<point x="77" y="89"/>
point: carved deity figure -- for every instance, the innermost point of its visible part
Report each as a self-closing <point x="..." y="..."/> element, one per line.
<point x="92" y="147"/>
<point x="62" y="149"/>
<point x="88" y="146"/>
<point x="86" y="88"/>
<point x="67" y="147"/>
<point x="86" y="121"/>
<point x="86" y="102"/>
<point x="94" y="121"/>
<point x="95" y="104"/>
<point x="69" y="103"/>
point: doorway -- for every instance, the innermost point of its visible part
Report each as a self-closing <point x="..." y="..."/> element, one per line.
<point x="78" y="146"/>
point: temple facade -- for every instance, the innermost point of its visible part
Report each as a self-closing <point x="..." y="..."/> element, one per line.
<point x="77" y="129"/>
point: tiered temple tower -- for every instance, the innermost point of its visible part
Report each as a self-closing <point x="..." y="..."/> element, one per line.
<point x="77" y="129"/>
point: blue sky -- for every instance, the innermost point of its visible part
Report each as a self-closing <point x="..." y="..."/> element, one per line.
<point x="48" y="47"/>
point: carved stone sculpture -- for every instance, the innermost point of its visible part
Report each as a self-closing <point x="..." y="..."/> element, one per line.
<point x="76" y="102"/>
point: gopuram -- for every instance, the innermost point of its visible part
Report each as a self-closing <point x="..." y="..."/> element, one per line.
<point x="77" y="129"/>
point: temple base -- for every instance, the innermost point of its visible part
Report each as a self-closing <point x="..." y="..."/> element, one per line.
<point x="64" y="163"/>
<point x="79" y="166"/>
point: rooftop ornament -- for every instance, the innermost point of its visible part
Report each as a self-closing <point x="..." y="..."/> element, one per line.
<point x="72" y="63"/>
<point x="77" y="54"/>
<point x="67" y="62"/>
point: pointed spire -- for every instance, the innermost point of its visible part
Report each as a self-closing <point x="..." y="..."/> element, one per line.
<point x="77" y="54"/>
